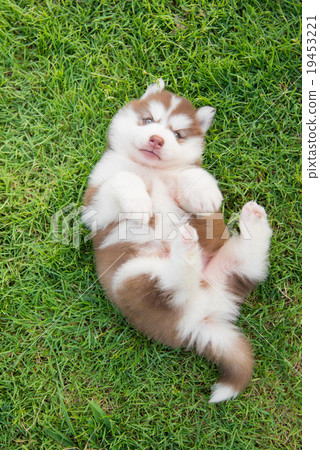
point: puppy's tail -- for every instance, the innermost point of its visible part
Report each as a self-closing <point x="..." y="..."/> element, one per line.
<point x="233" y="355"/>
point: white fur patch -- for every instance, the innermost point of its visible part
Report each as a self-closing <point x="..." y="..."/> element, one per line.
<point x="180" y="121"/>
<point x="161" y="114"/>
<point x="134" y="268"/>
<point x="222" y="392"/>
<point x="129" y="231"/>
<point x="200" y="332"/>
<point x="157" y="110"/>
<point x="174" y="103"/>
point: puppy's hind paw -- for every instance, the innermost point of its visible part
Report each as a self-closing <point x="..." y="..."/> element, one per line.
<point x="253" y="221"/>
<point x="252" y="210"/>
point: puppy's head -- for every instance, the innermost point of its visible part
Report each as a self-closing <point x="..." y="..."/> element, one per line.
<point x="160" y="129"/>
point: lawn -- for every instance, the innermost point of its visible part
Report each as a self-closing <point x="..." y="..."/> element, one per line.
<point x="74" y="374"/>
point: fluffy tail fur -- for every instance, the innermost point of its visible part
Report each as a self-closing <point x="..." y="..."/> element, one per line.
<point x="234" y="358"/>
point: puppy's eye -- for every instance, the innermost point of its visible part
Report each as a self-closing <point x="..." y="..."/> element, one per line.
<point x="177" y="135"/>
<point x="147" y="121"/>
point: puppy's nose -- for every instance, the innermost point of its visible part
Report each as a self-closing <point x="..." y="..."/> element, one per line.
<point x="156" y="142"/>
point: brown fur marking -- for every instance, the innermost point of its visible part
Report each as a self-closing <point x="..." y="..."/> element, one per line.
<point x="101" y="234"/>
<point x="88" y="195"/>
<point x="110" y="258"/>
<point x="240" y="285"/>
<point x="186" y="107"/>
<point x="141" y="107"/>
<point x="148" y="309"/>
<point x="212" y="232"/>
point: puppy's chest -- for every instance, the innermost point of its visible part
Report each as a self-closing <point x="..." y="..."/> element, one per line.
<point x="167" y="213"/>
<point x="162" y="192"/>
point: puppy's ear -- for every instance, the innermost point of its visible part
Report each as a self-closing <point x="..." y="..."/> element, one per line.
<point x="155" y="87"/>
<point x="205" y="116"/>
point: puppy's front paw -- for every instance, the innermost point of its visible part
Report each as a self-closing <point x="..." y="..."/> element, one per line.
<point x="201" y="201"/>
<point x="198" y="192"/>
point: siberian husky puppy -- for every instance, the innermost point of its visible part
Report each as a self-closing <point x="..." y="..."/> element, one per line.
<point x="163" y="254"/>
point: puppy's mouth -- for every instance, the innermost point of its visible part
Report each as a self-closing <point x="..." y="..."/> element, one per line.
<point x="150" y="154"/>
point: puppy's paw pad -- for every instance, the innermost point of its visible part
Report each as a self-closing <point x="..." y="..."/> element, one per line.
<point x="252" y="210"/>
<point x="253" y="221"/>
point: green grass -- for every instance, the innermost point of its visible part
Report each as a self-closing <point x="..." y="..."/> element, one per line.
<point x="72" y="370"/>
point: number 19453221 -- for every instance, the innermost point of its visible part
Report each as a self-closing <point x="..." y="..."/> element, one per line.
<point x="311" y="44"/>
